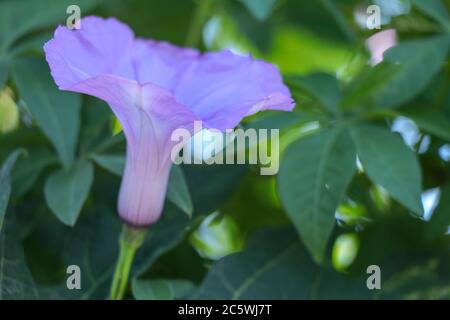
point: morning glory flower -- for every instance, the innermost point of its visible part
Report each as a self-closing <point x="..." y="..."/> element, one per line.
<point x="154" y="88"/>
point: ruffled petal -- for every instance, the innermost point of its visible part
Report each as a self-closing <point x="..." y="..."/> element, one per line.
<point x="101" y="46"/>
<point x="222" y="88"/>
<point x="161" y="63"/>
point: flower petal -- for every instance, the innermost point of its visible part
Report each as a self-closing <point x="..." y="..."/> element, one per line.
<point x="222" y="88"/>
<point x="100" y="46"/>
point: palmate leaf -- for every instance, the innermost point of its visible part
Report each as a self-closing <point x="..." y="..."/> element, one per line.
<point x="57" y="113"/>
<point x="314" y="174"/>
<point x="390" y="163"/>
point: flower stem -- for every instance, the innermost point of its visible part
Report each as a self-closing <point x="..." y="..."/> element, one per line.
<point x="130" y="240"/>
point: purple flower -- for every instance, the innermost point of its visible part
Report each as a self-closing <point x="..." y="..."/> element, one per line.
<point x="154" y="88"/>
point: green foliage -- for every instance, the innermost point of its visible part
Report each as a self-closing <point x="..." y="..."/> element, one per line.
<point x="5" y="184"/>
<point x="349" y="193"/>
<point x="330" y="159"/>
<point x="389" y="163"/>
<point x="66" y="191"/>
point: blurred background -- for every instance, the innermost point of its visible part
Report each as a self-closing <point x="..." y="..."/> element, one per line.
<point x="364" y="165"/>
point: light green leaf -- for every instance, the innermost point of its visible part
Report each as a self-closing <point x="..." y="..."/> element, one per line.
<point x="260" y="9"/>
<point x="178" y="191"/>
<point x="418" y="62"/>
<point x="5" y="183"/>
<point x="161" y="289"/>
<point x="390" y="163"/>
<point x="314" y="174"/>
<point x="66" y="191"/>
<point x="33" y="15"/>
<point x="323" y="87"/>
<point x="435" y="9"/>
<point x="57" y="113"/>
<point x="430" y="121"/>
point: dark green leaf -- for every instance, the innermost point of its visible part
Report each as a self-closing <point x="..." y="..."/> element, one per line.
<point x="5" y="183"/>
<point x="56" y="113"/>
<point x="323" y="87"/>
<point x="178" y="192"/>
<point x="33" y="15"/>
<point x="161" y="289"/>
<point x="418" y="62"/>
<point x="29" y="168"/>
<point x="66" y="191"/>
<point x="113" y="163"/>
<point x="314" y="174"/>
<point x="391" y="164"/>
<point x="430" y="121"/>
<point x="16" y="282"/>
<point x="440" y="220"/>
<point x="260" y="9"/>
<point x="276" y="266"/>
<point x="435" y="9"/>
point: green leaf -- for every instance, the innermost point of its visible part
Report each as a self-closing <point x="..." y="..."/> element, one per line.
<point x="323" y="87"/>
<point x="161" y="289"/>
<point x="5" y="183"/>
<point x="367" y="86"/>
<point x="260" y="9"/>
<point x="66" y="191"/>
<point x="56" y="113"/>
<point x="418" y="61"/>
<point x="16" y="282"/>
<point x="276" y="266"/>
<point x="430" y="121"/>
<point x="440" y="220"/>
<point x="113" y="163"/>
<point x="93" y="245"/>
<point x="28" y="169"/>
<point x="435" y="9"/>
<point x="391" y="164"/>
<point x="177" y="189"/>
<point x="33" y="15"/>
<point x="178" y="192"/>
<point x="314" y="174"/>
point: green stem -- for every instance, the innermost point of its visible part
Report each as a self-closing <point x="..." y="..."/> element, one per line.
<point x="130" y="240"/>
<point x="199" y="18"/>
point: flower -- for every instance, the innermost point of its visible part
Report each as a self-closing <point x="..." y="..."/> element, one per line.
<point x="154" y="88"/>
<point x="379" y="43"/>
